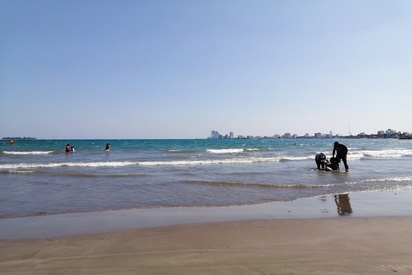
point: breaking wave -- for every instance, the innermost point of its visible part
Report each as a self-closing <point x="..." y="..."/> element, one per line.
<point x="27" y="153"/>
<point x="226" y="151"/>
<point x="380" y="154"/>
<point x="149" y="163"/>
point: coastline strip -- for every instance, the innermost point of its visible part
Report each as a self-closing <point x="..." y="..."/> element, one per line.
<point x="352" y="205"/>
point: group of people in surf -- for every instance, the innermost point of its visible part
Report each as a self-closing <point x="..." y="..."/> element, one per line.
<point x="71" y="148"/>
<point x="322" y="162"/>
<point x="332" y="164"/>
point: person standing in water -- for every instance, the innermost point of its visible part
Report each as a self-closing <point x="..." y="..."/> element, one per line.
<point x="107" y="147"/>
<point x="341" y="153"/>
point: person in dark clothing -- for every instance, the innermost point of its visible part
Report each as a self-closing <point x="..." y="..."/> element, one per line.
<point x="107" y="149"/>
<point x="341" y="153"/>
<point x="320" y="160"/>
<point x="334" y="164"/>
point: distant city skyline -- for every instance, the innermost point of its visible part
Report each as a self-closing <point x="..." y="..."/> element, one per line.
<point x="381" y="133"/>
<point x="231" y="135"/>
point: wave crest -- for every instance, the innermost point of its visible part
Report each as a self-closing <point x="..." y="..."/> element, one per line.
<point x="389" y="153"/>
<point x="27" y="152"/>
<point x="226" y="151"/>
<point x="263" y="185"/>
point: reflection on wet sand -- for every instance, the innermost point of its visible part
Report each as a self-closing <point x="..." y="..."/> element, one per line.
<point x="343" y="204"/>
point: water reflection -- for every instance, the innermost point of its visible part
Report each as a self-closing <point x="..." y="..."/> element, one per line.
<point x="343" y="204"/>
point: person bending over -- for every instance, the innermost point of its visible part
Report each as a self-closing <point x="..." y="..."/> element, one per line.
<point x="341" y="153"/>
<point x="320" y="160"/>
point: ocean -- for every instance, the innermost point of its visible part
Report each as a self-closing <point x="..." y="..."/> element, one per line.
<point x="37" y="177"/>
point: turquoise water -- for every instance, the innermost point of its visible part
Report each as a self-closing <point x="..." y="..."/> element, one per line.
<point x="38" y="177"/>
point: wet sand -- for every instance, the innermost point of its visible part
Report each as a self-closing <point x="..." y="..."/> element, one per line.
<point x="339" y="242"/>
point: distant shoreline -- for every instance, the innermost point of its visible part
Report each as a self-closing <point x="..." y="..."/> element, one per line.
<point x="19" y="138"/>
<point x="299" y="137"/>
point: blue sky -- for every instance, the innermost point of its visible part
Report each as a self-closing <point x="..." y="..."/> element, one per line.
<point x="179" y="69"/>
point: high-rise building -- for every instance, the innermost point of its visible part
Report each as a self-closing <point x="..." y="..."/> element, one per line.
<point x="287" y="135"/>
<point x="215" y="134"/>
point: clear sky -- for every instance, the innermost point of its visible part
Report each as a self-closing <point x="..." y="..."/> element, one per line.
<point x="179" y="69"/>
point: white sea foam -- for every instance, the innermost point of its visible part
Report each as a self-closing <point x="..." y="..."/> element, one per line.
<point x="383" y="179"/>
<point x="396" y="179"/>
<point x="211" y="161"/>
<point x="394" y="153"/>
<point x="296" y="158"/>
<point x="27" y="153"/>
<point x="20" y="171"/>
<point x="355" y="156"/>
<point x="389" y="153"/>
<point x="142" y="163"/>
<point x="66" y="164"/>
<point x="226" y="151"/>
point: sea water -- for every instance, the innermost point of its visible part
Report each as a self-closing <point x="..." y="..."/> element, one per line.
<point x="37" y="177"/>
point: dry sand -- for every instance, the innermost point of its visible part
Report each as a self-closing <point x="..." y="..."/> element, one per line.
<point x="344" y="245"/>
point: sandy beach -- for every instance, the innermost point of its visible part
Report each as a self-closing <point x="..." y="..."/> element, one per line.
<point x="357" y="243"/>
<point x="314" y="246"/>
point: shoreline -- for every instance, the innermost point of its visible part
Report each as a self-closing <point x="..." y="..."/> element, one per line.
<point x="307" y="236"/>
<point x="349" y="205"/>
